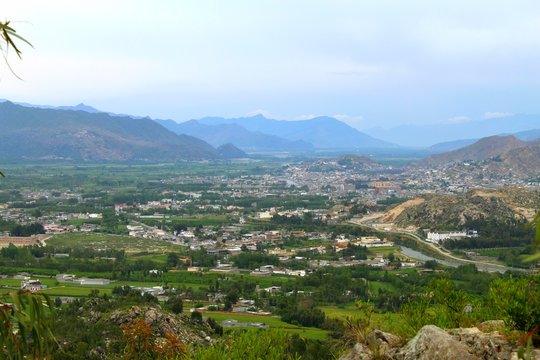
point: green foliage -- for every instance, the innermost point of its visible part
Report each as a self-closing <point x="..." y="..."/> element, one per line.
<point x="197" y="316"/>
<point x="536" y="244"/>
<point x="27" y="230"/>
<point x="26" y="327"/>
<point x="175" y="304"/>
<point x="357" y="327"/>
<point x="172" y="259"/>
<point x="218" y="329"/>
<point x="454" y="305"/>
<point x="516" y="300"/>
<point x="493" y="233"/>
<point x="302" y="312"/>
<point x="252" y="261"/>
<point x="249" y="345"/>
<point x="416" y="313"/>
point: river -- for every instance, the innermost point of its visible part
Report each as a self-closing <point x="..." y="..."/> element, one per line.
<point x="455" y="263"/>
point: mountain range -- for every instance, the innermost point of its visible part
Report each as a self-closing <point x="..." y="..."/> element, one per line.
<point x="252" y="141"/>
<point x="82" y="132"/>
<point x="30" y="133"/>
<point x="423" y="136"/>
<point x="258" y="133"/>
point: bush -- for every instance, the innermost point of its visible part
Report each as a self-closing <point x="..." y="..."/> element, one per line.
<point x="415" y="313"/>
<point x="516" y="300"/>
<point x="218" y="329"/>
<point x="196" y="316"/>
<point x="175" y="304"/>
<point x="453" y="308"/>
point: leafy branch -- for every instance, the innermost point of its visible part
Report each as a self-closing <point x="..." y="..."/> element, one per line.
<point x="9" y="39"/>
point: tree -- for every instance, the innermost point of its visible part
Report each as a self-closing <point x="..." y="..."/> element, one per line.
<point x="172" y="259"/>
<point x="58" y="302"/>
<point x="175" y="304"/>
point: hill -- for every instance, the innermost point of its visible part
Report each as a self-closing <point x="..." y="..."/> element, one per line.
<point x="439" y="210"/>
<point x="229" y="151"/>
<point x="247" y="140"/>
<point x="29" y="133"/>
<point x="483" y="149"/>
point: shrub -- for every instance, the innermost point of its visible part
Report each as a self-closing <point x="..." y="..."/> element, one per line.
<point x="516" y="300"/>
<point x="197" y="316"/>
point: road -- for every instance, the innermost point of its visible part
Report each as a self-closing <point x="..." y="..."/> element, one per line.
<point x="452" y="260"/>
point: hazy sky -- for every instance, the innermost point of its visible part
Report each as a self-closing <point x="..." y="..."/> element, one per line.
<point x="371" y="63"/>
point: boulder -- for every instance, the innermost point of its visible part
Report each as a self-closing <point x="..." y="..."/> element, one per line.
<point x="431" y="343"/>
<point x="381" y="343"/>
<point x="489" y="346"/>
<point x="358" y="352"/>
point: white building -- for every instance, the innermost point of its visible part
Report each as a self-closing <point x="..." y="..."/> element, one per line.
<point x="32" y="285"/>
<point x="437" y="238"/>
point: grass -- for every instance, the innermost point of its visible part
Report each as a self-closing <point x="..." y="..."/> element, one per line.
<point x="75" y="291"/>
<point x="390" y="322"/>
<point x="113" y="242"/>
<point x="272" y="321"/>
<point x="384" y="250"/>
<point x="54" y="288"/>
<point x="204" y="221"/>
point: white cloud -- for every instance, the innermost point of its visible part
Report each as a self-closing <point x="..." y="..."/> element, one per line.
<point x="458" y="119"/>
<point x="495" y="114"/>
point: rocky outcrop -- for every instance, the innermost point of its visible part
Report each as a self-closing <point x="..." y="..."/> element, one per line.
<point x="187" y="330"/>
<point x="434" y="210"/>
<point x="382" y="342"/>
<point x="433" y="343"/>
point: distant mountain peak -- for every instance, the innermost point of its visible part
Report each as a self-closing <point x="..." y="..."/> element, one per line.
<point x="229" y="151"/>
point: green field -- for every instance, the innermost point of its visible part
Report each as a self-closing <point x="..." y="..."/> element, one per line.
<point x="271" y="321"/>
<point x="113" y="242"/>
<point x="390" y="322"/>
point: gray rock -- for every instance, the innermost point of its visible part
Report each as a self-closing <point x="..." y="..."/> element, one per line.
<point x="489" y="346"/>
<point x="358" y="352"/>
<point x="381" y="343"/>
<point x="432" y="343"/>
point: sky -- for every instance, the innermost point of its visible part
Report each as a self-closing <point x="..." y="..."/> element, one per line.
<point x="370" y="63"/>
